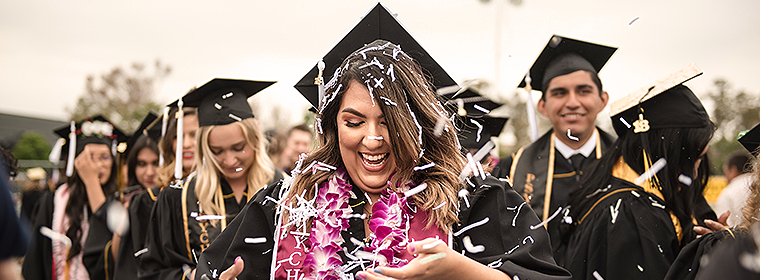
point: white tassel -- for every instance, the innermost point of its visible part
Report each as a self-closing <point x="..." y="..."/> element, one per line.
<point x="72" y="149"/>
<point x="178" y="154"/>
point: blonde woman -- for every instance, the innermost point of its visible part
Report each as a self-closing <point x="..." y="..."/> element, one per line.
<point x="231" y="165"/>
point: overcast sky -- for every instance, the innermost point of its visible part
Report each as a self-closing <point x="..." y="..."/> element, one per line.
<point x="47" y="48"/>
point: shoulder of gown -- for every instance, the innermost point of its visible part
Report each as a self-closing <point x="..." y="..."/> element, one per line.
<point x="38" y="262"/>
<point x="166" y="255"/>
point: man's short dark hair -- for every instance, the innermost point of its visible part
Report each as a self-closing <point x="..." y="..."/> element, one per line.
<point x="302" y="127"/>
<point x="594" y="78"/>
<point x="739" y="160"/>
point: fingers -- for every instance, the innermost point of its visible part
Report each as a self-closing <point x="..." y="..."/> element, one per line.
<point x="429" y="245"/>
<point x="715" y="226"/>
<point x="723" y="219"/>
<point x="234" y="270"/>
<point x="700" y="230"/>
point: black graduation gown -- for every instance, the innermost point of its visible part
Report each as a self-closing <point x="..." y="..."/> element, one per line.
<point x="98" y="257"/>
<point x="687" y="264"/>
<point x="510" y="244"/>
<point x="530" y="178"/>
<point x="38" y="262"/>
<point x="175" y="238"/>
<point x="733" y="259"/>
<point x="635" y="240"/>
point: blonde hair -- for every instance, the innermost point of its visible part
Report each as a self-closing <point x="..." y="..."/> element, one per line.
<point x="207" y="174"/>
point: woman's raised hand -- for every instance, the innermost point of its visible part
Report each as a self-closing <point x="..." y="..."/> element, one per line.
<point x="86" y="166"/>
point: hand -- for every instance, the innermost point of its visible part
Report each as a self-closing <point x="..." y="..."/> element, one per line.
<point x="434" y="260"/>
<point x="234" y="270"/>
<point x="721" y="224"/>
<point x="86" y="166"/>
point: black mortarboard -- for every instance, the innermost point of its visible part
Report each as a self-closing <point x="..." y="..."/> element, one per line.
<point x="150" y="127"/>
<point x="223" y="101"/>
<point x="665" y="103"/>
<point x="750" y="139"/>
<point x="379" y="23"/>
<point x="564" y="56"/>
<point x="477" y="131"/>
<point x="468" y="102"/>
<point x="96" y="130"/>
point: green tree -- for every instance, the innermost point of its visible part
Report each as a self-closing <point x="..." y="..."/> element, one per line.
<point x="733" y="111"/>
<point x="123" y="96"/>
<point x="32" y="145"/>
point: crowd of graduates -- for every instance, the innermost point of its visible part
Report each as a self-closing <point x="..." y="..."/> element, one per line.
<point x="400" y="182"/>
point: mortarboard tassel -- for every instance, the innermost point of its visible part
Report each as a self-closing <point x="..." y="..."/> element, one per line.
<point x="531" y="111"/>
<point x="55" y="153"/>
<point x="178" y="155"/>
<point x="320" y="81"/>
<point x="72" y="149"/>
<point x="163" y="134"/>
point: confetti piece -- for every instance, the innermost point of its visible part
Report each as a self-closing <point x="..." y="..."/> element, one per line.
<point x="597" y="276"/>
<point x="255" y="240"/>
<point x="483" y="151"/>
<point x="448" y="90"/>
<point x="656" y="167"/>
<point x="517" y="213"/>
<point x="439" y="125"/>
<point x="432" y="245"/>
<point x="217" y="106"/>
<point x="480" y="129"/>
<point x="525" y="240"/>
<point x="117" y="219"/>
<point x="484" y="110"/>
<point x="209" y="217"/>
<point x="371" y="137"/>
<point x="547" y="220"/>
<point x="636" y="193"/>
<point x="419" y="128"/>
<point x="235" y="117"/>
<point x="633" y="20"/>
<point x="433" y="257"/>
<point x="512" y="250"/>
<point x="597" y="191"/>
<point x="571" y="136"/>
<point x="471" y="226"/>
<point x="387" y="100"/>
<point x="516" y="277"/>
<point x="423" y="167"/>
<point x="495" y="264"/>
<point x="655" y="203"/>
<point x="140" y="252"/>
<point x="371" y="257"/>
<point x="471" y="164"/>
<point x="473" y="249"/>
<point x="463" y="195"/>
<point x="614" y="211"/>
<point x="49" y="233"/>
<point x="625" y="122"/>
<point x="481" y="171"/>
<point x="686" y="180"/>
<point x="640" y="268"/>
<point x="439" y="205"/>
<point x="416" y="190"/>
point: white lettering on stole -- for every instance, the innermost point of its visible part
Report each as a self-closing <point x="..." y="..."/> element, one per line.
<point x="290" y="260"/>
<point x="294" y="274"/>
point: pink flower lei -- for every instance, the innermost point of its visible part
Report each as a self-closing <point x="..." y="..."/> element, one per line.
<point x="389" y="223"/>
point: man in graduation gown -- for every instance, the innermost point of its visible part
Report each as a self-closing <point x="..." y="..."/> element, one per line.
<point x="572" y="96"/>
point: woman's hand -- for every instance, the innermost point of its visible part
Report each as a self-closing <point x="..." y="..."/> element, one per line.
<point x="721" y="224"/>
<point x="434" y="260"/>
<point x="233" y="271"/>
<point x="85" y="165"/>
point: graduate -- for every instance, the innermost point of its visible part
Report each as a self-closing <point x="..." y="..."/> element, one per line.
<point x="381" y="197"/>
<point x="128" y="214"/>
<point x="168" y="145"/>
<point x="566" y="73"/>
<point x="633" y="212"/>
<point x="61" y="225"/>
<point x="231" y="165"/>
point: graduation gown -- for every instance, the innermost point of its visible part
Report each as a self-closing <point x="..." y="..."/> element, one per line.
<point x="175" y="237"/>
<point x="38" y="262"/>
<point x="733" y="259"/>
<point x="627" y="233"/>
<point x="504" y="231"/>
<point x="98" y="257"/>
<point x="687" y="264"/>
<point x="527" y="170"/>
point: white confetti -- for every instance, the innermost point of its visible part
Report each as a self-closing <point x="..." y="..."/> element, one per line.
<point x="640" y="268"/>
<point x="655" y="203"/>
<point x="117" y="218"/>
<point x="483" y="151"/>
<point x="49" y="233"/>
<point x="525" y="240"/>
<point x="388" y="101"/>
<point x="140" y="252"/>
<point x="625" y="122"/>
<point x="439" y="205"/>
<point x="473" y="249"/>
<point x="416" y="190"/>
<point x="463" y="193"/>
<point x="390" y="73"/>
<point x="235" y="117"/>
<point x="255" y="240"/>
<point x="470" y="226"/>
<point x="686" y="180"/>
<point x="495" y="264"/>
<point x="597" y="276"/>
<point x="439" y="126"/>
<point x="484" y="110"/>
<point x="656" y="167"/>
<point x="471" y="164"/>
<point x="480" y="129"/>
<point x="636" y="193"/>
<point x="516" y="212"/>
<point x="547" y="220"/>
<point x="209" y="217"/>
<point x="512" y="250"/>
<point x="614" y="211"/>
<point x="423" y="167"/>
<point x="571" y="137"/>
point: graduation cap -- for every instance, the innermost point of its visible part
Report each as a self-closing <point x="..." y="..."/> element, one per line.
<point x="563" y="56"/>
<point x="750" y="139"/>
<point x="665" y="103"/>
<point x="379" y="23"/>
<point x="223" y="101"/>
<point x="477" y="131"/>
<point x="150" y="127"/>
<point x="95" y="130"/>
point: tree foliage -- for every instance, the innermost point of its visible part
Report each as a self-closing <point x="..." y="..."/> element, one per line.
<point x="733" y="111"/>
<point x="124" y="96"/>
<point x="32" y="145"/>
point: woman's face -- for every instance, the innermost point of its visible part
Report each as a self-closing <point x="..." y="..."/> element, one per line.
<point x="101" y="155"/>
<point x="145" y="168"/>
<point x="231" y="151"/>
<point x="364" y="141"/>
<point x="189" y="127"/>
